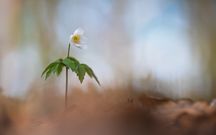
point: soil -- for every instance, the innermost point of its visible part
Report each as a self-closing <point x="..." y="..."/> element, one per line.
<point x="112" y="113"/>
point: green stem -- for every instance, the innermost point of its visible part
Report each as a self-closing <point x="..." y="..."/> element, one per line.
<point x="68" y="54"/>
<point x="66" y="87"/>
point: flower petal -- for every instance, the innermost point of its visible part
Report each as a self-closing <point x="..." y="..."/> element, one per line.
<point x="70" y="39"/>
<point x="81" y="46"/>
<point x="79" y="31"/>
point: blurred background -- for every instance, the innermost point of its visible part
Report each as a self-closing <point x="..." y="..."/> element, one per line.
<point x="164" y="47"/>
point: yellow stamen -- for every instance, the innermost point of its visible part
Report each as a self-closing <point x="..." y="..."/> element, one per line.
<point x="76" y="39"/>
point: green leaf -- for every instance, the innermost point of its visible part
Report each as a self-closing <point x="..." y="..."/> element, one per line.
<point x="50" y="70"/>
<point x="91" y="73"/>
<point x="59" y="69"/>
<point x="72" y="64"/>
<point x="48" y="73"/>
<point x="48" y="67"/>
<point x="74" y="59"/>
<point x="53" y="68"/>
<point x="81" y="72"/>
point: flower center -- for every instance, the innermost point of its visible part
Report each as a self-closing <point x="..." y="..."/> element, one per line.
<point x="76" y="39"/>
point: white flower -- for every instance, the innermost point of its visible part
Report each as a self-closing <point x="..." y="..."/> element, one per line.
<point x="77" y="38"/>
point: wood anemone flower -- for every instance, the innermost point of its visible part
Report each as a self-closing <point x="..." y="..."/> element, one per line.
<point x="78" y="38"/>
<point x="71" y="63"/>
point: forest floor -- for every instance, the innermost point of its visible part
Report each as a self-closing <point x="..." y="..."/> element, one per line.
<point x="106" y="113"/>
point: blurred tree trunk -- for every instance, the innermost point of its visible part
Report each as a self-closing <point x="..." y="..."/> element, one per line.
<point x="120" y="42"/>
<point x="44" y="13"/>
<point x="37" y="19"/>
<point x="202" y="16"/>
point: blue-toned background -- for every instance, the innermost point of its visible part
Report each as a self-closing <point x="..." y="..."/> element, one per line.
<point x="157" y="46"/>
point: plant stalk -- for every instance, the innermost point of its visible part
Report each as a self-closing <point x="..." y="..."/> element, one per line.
<point x="66" y="85"/>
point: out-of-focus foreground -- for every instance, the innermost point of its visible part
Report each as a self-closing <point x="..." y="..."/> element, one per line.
<point x="113" y="111"/>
